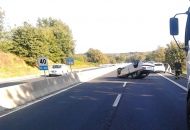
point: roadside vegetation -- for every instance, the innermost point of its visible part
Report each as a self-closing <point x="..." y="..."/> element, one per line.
<point x="21" y="46"/>
<point x="12" y="66"/>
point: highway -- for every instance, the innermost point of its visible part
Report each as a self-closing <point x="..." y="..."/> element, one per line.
<point x="25" y="79"/>
<point x="156" y="102"/>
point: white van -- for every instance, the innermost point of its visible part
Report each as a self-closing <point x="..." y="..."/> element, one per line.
<point x="58" y="69"/>
<point x="159" y="67"/>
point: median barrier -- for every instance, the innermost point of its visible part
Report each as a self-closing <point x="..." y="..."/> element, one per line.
<point x="17" y="95"/>
<point x="85" y="76"/>
<point x="14" y="96"/>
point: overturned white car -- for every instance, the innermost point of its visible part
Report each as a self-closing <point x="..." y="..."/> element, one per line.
<point x="136" y="70"/>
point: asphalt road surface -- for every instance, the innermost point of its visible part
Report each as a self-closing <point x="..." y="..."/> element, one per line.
<point x="108" y="103"/>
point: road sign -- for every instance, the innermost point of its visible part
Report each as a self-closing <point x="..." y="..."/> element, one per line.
<point x="42" y="63"/>
<point x="70" y="61"/>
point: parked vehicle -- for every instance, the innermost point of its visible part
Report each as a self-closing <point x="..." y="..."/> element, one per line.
<point x="159" y="67"/>
<point x="167" y="68"/>
<point x="135" y="70"/>
<point x="58" y="69"/>
<point x="149" y="67"/>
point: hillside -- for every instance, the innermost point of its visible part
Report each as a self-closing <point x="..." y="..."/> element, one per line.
<point x="13" y="66"/>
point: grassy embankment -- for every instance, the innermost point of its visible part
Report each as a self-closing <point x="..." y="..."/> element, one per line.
<point x="13" y="66"/>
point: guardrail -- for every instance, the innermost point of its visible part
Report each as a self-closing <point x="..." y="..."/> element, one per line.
<point x="181" y="75"/>
<point x="169" y="70"/>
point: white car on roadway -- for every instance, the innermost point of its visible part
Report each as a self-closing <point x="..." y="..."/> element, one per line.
<point x="135" y="70"/>
<point x="159" y="67"/>
<point x="58" y="69"/>
<point x="149" y="67"/>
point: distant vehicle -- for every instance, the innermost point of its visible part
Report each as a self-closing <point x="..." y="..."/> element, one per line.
<point x="137" y="70"/>
<point x="167" y="68"/>
<point x="149" y="67"/>
<point x="159" y="67"/>
<point x="58" y="69"/>
<point x="107" y="65"/>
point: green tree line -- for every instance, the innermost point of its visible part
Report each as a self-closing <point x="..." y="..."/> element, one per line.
<point x="166" y="54"/>
<point x="50" y="38"/>
<point x="53" y="38"/>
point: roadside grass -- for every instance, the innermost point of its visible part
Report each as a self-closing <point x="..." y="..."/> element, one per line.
<point x="80" y="64"/>
<point x="184" y="71"/>
<point x="13" y="66"/>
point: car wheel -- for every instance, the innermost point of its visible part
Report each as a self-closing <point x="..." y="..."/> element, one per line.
<point x="141" y="76"/>
<point x="134" y="75"/>
<point x="123" y="76"/>
<point x="50" y="75"/>
<point x="188" y="114"/>
<point x="119" y="72"/>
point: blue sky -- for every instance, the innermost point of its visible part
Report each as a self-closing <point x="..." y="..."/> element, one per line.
<point x="111" y="26"/>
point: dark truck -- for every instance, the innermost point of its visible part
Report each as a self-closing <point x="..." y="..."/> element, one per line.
<point x="174" y="31"/>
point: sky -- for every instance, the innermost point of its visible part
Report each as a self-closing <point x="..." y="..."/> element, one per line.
<point x="111" y="26"/>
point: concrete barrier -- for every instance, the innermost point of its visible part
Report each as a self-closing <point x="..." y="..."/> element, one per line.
<point x="85" y="76"/>
<point x="14" y="96"/>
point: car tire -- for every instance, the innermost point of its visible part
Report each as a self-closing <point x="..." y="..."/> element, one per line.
<point x="188" y="114"/>
<point x="141" y="76"/>
<point x="123" y="76"/>
<point x="119" y="72"/>
<point x="134" y="75"/>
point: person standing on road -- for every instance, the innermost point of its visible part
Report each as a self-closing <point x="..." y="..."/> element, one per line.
<point x="177" y="66"/>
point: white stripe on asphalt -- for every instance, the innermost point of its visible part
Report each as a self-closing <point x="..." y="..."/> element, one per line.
<point x="124" y="84"/>
<point x="184" y="88"/>
<point x="117" y="100"/>
<point x="39" y="100"/>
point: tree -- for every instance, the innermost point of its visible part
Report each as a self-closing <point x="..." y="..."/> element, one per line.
<point x="139" y="56"/>
<point x="121" y="58"/>
<point x="80" y="57"/>
<point x="28" y="42"/>
<point x="62" y="44"/>
<point x="96" y="56"/>
<point x="133" y="56"/>
<point x="2" y="14"/>
<point x="4" y="35"/>
<point x="112" y="59"/>
<point x="51" y="38"/>
<point x="172" y="52"/>
<point x="159" y="54"/>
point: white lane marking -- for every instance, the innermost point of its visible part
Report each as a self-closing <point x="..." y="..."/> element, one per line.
<point x="39" y="100"/>
<point x="184" y="88"/>
<point x="117" y="100"/>
<point x="124" y="84"/>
